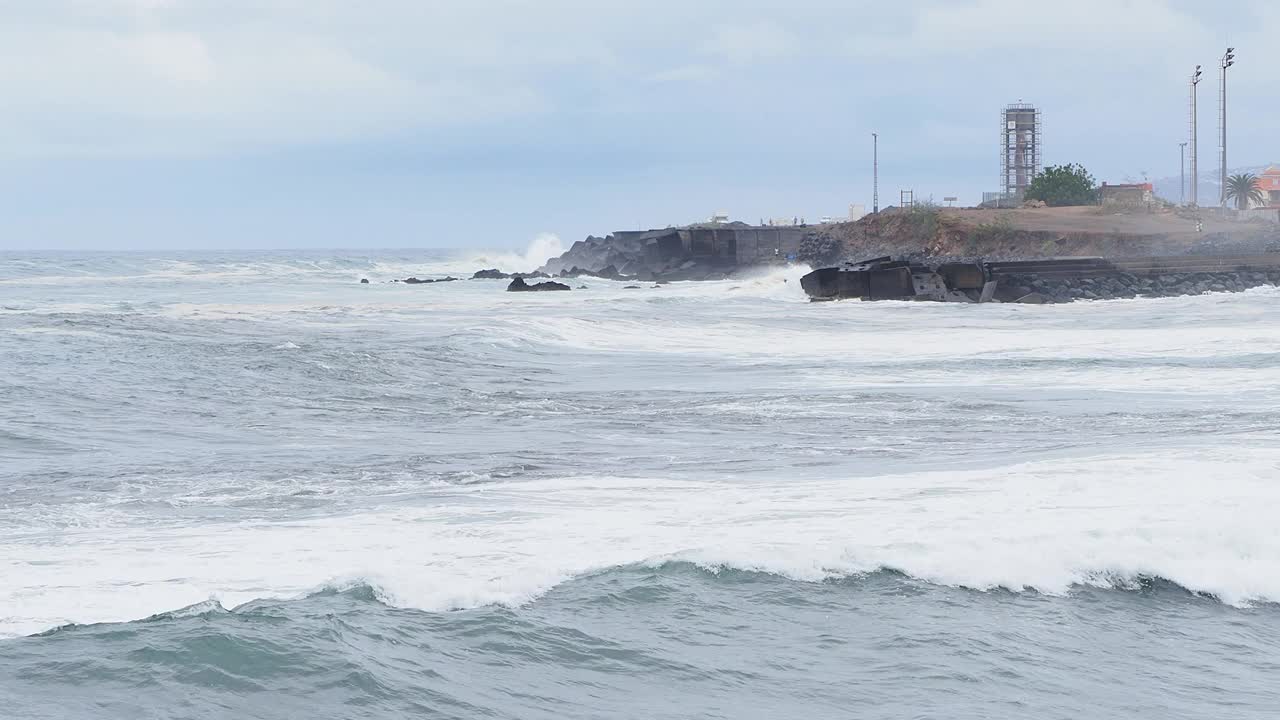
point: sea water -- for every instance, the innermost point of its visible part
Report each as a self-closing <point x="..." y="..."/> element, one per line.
<point x="243" y="485"/>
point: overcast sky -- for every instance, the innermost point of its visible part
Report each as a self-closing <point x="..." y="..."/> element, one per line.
<point x="403" y="123"/>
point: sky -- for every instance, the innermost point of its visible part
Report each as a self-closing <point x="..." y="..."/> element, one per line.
<point x="182" y="124"/>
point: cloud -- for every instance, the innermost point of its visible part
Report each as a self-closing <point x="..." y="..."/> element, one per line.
<point x="165" y="76"/>
<point x="754" y="42"/>
<point x="695" y="73"/>
<point x="156" y="90"/>
<point x="180" y="58"/>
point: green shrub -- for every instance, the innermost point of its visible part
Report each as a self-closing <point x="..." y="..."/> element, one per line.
<point x="1063" y="185"/>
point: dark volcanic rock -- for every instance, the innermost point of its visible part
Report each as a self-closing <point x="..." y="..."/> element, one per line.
<point x="519" y="285"/>
<point x="818" y="249"/>
<point x="639" y="256"/>
<point x="608" y="273"/>
<point x="416" y="281"/>
<point x="495" y="274"/>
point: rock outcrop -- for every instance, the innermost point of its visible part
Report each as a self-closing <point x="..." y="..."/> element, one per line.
<point x="495" y="274"/>
<point x="646" y="257"/>
<point x="595" y="254"/>
<point x="609" y="272"/>
<point x="416" y="281"/>
<point x="519" y="285"/>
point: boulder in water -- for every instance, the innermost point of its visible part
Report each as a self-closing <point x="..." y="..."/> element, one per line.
<point x="416" y="281"/>
<point x="608" y="273"/>
<point x="519" y="285"/>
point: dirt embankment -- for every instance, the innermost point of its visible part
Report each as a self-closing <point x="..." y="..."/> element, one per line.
<point x="1050" y="232"/>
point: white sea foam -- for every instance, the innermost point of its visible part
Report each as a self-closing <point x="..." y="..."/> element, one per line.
<point x="1204" y="518"/>
<point x="1200" y="514"/>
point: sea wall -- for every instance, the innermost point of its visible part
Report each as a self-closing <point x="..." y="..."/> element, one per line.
<point x="1042" y="281"/>
<point x="1050" y="289"/>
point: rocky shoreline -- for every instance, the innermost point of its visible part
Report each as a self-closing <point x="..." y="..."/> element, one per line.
<point x="963" y="279"/>
<point x="1025" y="288"/>
<point x="639" y="259"/>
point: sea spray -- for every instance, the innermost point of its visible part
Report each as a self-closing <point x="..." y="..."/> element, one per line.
<point x="542" y="248"/>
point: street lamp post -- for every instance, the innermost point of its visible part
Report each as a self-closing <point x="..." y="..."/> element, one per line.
<point x="1195" y="141"/>
<point x="1182" y="164"/>
<point x="875" y="165"/>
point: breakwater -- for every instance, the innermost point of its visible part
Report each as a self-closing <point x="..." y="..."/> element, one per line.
<point x="712" y="251"/>
<point x="1042" y="281"/>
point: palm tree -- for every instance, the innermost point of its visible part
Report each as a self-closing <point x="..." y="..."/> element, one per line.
<point x="1245" y="189"/>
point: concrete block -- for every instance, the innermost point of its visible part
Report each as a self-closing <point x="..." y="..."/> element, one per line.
<point x="891" y="284"/>
<point x="823" y="283"/>
<point x="963" y="276"/>
<point x="854" y="284"/>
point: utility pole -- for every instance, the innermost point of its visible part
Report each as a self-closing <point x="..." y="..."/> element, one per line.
<point x="1195" y="145"/>
<point x="1228" y="60"/>
<point x="1182" y="164"/>
<point x="875" y="165"/>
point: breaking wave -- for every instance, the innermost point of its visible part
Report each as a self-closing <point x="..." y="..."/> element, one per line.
<point x="542" y="248"/>
<point x="1203" y="520"/>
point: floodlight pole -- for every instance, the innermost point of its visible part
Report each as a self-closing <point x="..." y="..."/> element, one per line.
<point x="1195" y="142"/>
<point x="1182" y="165"/>
<point x="1228" y="60"/>
<point x="875" y="170"/>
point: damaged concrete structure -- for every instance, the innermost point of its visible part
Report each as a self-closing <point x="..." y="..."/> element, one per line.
<point x="1042" y="281"/>
<point x="888" y="279"/>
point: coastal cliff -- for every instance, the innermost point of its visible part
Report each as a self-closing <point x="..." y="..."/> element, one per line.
<point x="921" y="233"/>
<point x="931" y="233"/>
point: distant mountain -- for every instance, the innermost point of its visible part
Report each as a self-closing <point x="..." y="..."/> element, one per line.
<point x="1170" y="188"/>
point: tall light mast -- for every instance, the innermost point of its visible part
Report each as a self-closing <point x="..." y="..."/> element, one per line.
<point x="875" y="165"/>
<point x="1228" y="60"/>
<point x="1195" y="154"/>
<point x="1182" y="169"/>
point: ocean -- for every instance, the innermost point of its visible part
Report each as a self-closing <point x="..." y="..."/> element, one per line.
<point x="241" y="485"/>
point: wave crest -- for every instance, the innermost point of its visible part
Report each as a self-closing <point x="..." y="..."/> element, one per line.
<point x="1202" y="518"/>
<point x="541" y="249"/>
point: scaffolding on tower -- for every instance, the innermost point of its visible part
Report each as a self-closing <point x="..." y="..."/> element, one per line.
<point x="1021" y="149"/>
